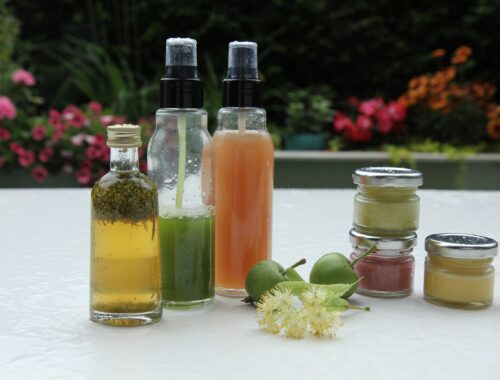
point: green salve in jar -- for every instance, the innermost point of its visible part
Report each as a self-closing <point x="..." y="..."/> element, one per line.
<point x="386" y="203"/>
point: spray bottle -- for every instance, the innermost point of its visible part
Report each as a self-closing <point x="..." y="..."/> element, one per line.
<point x="244" y="158"/>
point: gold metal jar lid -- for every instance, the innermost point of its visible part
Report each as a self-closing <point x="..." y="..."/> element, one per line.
<point x="124" y="136"/>
<point x="359" y="239"/>
<point x="385" y="176"/>
<point x="461" y="246"/>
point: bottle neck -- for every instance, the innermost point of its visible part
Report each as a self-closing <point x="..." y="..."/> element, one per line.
<point x="124" y="159"/>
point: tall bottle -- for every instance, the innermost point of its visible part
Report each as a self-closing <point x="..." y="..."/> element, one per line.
<point x="180" y="163"/>
<point x="243" y="174"/>
<point x="125" y="256"/>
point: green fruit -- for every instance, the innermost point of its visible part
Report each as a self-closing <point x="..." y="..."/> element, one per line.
<point x="265" y="275"/>
<point x="334" y="268"/>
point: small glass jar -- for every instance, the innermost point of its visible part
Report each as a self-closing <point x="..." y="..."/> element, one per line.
<point x="458" y="270"/>
<point x="388" y="271"/>
<point x="386" y="203"/>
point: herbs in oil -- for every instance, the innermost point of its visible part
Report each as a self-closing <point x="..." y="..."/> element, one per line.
<point x="125" y="257"/>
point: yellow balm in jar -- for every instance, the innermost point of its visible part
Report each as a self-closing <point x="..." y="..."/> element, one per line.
<point x="386" y="203"/>
<point x="459" y="271"/>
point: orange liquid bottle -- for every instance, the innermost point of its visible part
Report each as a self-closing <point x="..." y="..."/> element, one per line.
<point x="244" y="166"/>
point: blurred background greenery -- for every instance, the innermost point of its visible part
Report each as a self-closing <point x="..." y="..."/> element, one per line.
<point x="113" y="51"/>
<point x="384" y="75"/>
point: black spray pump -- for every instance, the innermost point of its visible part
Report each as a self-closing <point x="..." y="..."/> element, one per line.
<point x="242" y="86"/>
<point x="181" y="87"/>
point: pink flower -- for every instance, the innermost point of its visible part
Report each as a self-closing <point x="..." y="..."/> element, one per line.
<point x="93" y="153"/>
<point x="119" y="119"/>
<point x="45" y="154"/>
<point x="384" y="121"/>
<point x="38" y="132"/>
<point x="60" y="127"/>
<point x="39" y="173"/>
<point x="21" y="76"/>
<point x="74" y="116"/>
<point x="54" y="117"/>
<point x="83" y="175"/>
<point x="16" y="148"/>
<point x="108" y="120"/>
<point x="99" y="140"/>
<point x="78" y="139"/>
<point x="341" y="122"/>
<point x="4" y="134"/>
<point x="363" y="122"/>
<point x="26" y="158"/>
<point x="396" y="111"/>
<point x="87" y="164"/>
<point x="95" y="107"/>
<point x="369" y="107"/>
<point x="56" y="136"/>
<point x="359" y="135"/>
<point x="7" y="108"/>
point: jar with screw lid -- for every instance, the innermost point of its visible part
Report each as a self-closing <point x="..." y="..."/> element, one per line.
<point x="459" y="271"/>
<point x="388" y="271"/>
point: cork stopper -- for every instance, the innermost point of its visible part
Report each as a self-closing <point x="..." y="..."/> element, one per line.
<point x="124" y="136"/>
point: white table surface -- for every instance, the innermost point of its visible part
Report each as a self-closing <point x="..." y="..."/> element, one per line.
<point x="45" y="332"/>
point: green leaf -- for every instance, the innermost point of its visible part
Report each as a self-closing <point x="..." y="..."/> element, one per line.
<point x="337" y="304"/>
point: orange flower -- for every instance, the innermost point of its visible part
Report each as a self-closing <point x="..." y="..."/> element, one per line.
<point x="461" y="55"/>
<point x="464" y="50"/>
<point x="419" y="81"/>
<point x="414" y="83"/>
<point x="494" y="129"/>
<point x="406" y="101"/>
<point x="477" y="90"/>
<point x="439" y="102"/>
<point x="449" y="73"/>
<point x="420" y="92"/>
<point x="457" y="91"/>
<point x="493" y="111"/>
<point x="438" y="83"/>
<point x="438" y="53"/>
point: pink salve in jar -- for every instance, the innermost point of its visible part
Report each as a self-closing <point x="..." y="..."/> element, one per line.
<point x="388" y="271"/>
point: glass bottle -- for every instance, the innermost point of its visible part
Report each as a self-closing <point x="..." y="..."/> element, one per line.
<point x="386" y="203"/>
<point x="180" y="163"/>
<point x="459" y="271"/>
<point x="244" y="174"/>
<point x="125" y="257"/>
<point x="388" y="271"/>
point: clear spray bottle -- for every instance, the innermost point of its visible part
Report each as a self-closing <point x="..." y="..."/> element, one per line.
<point x="244" y="158"/>
<point x="180" y="163"/>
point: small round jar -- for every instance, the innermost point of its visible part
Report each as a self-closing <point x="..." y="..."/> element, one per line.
<point x="388" y="271"/>
<point x="386" y="203"/>
<point x="458" y="270"/>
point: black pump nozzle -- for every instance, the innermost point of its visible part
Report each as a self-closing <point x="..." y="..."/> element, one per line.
<point x="242" y="86"/>
<point x="242" y="61"/>
<point x="180" y="58"/>
<point x="181" y="87"/>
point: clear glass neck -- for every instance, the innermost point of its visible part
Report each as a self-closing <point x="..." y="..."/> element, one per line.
<point x="124" y="159"/>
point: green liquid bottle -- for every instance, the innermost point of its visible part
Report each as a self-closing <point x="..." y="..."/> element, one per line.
<point x="180" y="163"/>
